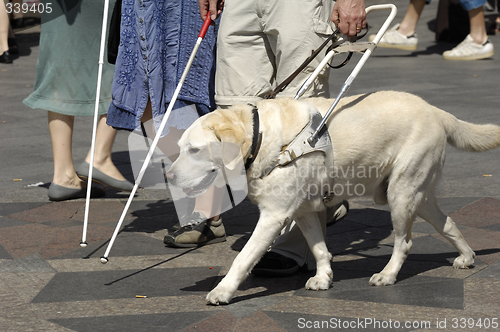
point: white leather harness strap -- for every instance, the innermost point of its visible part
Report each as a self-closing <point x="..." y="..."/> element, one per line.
<point x="300" y="146"/>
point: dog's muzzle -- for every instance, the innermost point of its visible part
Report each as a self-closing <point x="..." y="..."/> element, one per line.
<point x="197" y="190"/>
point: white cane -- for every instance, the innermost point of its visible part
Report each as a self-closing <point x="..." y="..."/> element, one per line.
<point x="104" y="259"/>
<point x="96" y="119"/>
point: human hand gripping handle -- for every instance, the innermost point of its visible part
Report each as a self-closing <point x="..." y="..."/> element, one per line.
<point x="212" y="7"/>
<point x="356" y="69"/>
<point x="204" y="27"/>
<point x="349" y="16"/>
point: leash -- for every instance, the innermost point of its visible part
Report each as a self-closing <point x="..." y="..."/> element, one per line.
<point x="292" y="150"/>
<point x="337" y="41"/>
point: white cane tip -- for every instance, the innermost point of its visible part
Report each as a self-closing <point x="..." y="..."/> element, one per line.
<point x="104" y="260"/>
<point x="83" y="244"/>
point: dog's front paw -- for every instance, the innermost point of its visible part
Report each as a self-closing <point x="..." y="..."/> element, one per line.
<point x="319" y="283"/>
<point x="219" y="295"/>
<point x="379" y="279"/>
<point x="463" y="262"/>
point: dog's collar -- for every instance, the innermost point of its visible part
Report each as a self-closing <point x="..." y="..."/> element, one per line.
<point x="256" y="139"/>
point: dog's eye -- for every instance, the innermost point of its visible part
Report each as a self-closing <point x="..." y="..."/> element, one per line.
<point x="194" y="150"/>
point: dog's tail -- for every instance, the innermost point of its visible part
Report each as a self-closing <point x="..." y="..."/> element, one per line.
<point x="469" y="136"/>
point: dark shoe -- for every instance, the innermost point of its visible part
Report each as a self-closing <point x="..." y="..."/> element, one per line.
<point x="100" y="177"/>
<point x="275" y="265"/>
<point x="336" y="213"/>
<point x="174" y="228"/>
<point x="17" y="23"/>
<point x="194" y="218"/>
<point x="190" y="236"/>
<point x="5" y="57"/>
<point x="60" y="193"/>
<point x="13" y="48"/>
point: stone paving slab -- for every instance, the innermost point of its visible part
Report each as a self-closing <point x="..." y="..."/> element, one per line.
<point x="49" y="283"/>
<point x="182" y="274"/>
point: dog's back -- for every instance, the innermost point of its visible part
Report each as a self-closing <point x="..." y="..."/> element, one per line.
<point x="403" y="119"/>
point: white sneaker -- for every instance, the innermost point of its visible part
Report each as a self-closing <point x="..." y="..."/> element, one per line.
<point x="393" y="39"/>
<point x="468" y="50"/>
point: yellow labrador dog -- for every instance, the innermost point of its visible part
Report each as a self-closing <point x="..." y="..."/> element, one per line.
<point x="394" y="141"/>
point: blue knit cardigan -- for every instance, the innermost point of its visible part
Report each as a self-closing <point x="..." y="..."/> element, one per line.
<point x="156" y="40"/>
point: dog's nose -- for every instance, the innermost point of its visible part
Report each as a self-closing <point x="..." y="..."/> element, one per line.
<point x="170" y="176"/>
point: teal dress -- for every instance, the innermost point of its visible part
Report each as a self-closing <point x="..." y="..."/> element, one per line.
<point x="68" y="60"/>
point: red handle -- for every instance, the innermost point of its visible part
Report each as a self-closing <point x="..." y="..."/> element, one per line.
<point x="205" y="26"/>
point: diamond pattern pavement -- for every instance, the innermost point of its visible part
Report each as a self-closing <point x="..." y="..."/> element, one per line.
<point x="72" y="290"/>
<point x="49" y="283"/>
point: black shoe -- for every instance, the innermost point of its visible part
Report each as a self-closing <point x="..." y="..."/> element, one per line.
<point x="336" y="213"/>
<point x="13" y="48"/>
<point x="17" y="23"/>
<point x="5" y="57"/>
<point x="275" y="265"/>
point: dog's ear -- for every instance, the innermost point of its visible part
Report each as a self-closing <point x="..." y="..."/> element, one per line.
<point x="231" y="156"/>
<point x="224" y="133"/>
<point x="232" y="137"/>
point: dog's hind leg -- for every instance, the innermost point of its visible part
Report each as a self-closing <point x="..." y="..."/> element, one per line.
<point x="380" y="193"/>
<point x="311" y="227"/>
<point x="430" y="212"/>
<point x="266" y="230"/>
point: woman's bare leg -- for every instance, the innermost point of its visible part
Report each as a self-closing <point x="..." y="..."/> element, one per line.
<point x="477" y="25"/>
<point x="61" y="134"/>
<point x="105" y="137"/>
<point x="409" y="23"/>
<point x="4" y="28"/>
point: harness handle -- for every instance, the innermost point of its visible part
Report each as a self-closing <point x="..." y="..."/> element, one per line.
<point x="336" y="42"/>
<point x="356" y="69"/>
<point x="349" y="55"/>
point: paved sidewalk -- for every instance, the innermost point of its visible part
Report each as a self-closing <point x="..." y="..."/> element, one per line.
<point x="49" y="283"/>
